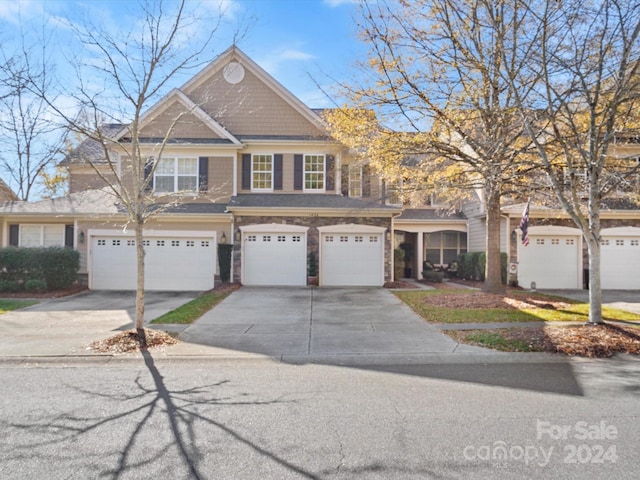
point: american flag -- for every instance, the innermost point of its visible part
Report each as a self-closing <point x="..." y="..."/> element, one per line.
<point x="524" y="225"/>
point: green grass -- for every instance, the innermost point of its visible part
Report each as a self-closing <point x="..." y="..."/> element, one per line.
<point x="193" y="310"/>
<point x="573" y="312"/>
<point x="495" y="341"/>
<point x="8" y="305"/>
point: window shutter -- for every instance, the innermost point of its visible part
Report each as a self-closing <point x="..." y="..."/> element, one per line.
<point x="148" y="167"/>
<point x="14" y="235"/>
<point x="297" y="171"/>
<point x="203" y="174"/>
<point x="344" y="180"/>
<point x="277" y="171"/>
<point x="366" y="181"/>
<point x="68" y="236"/>
<point x="330" y="167"/>
<point x="246" y="171"/>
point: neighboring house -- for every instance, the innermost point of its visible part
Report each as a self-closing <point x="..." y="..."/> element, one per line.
<point x="6" y="194"/>
<point x="254" y="167"/>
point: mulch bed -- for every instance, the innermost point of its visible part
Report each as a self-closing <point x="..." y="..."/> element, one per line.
<point x="53" y="294"/>
<point x="508" y="300"/>
<point x="400" y="284"/>
<point x="127" y="342"/>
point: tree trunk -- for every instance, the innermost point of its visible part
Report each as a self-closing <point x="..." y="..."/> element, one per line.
<point x="595" y="288"/>
<point x="140" y="277"/>
<point x="493" y="275"/>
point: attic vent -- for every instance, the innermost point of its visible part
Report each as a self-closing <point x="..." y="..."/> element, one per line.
<point x="233" y="72"/>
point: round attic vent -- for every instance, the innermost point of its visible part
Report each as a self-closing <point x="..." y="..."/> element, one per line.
<point x="233" y="72"/>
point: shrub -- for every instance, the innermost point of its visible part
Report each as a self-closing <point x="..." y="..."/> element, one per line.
<point x="312" y="265"/>
<point x="471" y="266"/>
<point x="9" y="286"/>
<point x="224" y="261"/>
<point x="35" y="285"/>
<point x="431" y="276"/>
<point x="56" y="266"/>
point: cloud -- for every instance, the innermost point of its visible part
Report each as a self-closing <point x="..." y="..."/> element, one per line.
<point x="17" y="10"/>
<point x="272" y="62"/>
<point x="338" y="3"/>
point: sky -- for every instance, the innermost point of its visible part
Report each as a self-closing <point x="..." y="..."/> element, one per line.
<point x="301" y="43"/>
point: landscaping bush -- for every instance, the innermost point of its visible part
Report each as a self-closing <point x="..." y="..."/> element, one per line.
<point x="431" y="276"/>
<point x="57" y="267"/>
<point x="35" y="285"/>
<point x="471" y="266"/>
<point x="312" y="265"/>
<point x="9" y="286"/>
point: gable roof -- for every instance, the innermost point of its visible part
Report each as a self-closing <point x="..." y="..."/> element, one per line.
<point x="234" y="53"/>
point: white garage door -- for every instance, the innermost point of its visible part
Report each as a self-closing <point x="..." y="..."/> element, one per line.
<point x="552" y="259"/>
<point x="351" y="255"/>
<point x="274" y="255"/>
<point x="171" y="263"/>
<point x="620" y="258"/>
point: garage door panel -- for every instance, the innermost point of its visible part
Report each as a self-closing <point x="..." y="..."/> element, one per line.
<point x="351" y="259"/>
<point x="619" y="263"/>
<point x="171" y="264"/>
<point x="551" y="261"/>
<point x="275" y="258"/>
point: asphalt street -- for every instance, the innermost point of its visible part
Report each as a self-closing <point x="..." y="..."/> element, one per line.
<point x="139" y="418"/>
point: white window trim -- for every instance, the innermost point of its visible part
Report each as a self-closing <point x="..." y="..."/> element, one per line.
<point x="359" y="167"/>
<point x="176" y="176"/>
<point x="41" y="226"/>
<point x="304" y="172"/>
<point x="270" y="189"/>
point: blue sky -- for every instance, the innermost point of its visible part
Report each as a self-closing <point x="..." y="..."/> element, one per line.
<point x="299" y="42"/>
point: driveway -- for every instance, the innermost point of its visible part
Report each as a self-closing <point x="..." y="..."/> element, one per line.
<point x="65" y="326"/>
<point x="628" y="300"/>
<point x="304" y="324"/>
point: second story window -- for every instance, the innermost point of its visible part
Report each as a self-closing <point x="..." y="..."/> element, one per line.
<point x="262" y="172"/>
<point x="314" y="172"/>
<point x="355" y="181"/>
<point x="176" y="175"/>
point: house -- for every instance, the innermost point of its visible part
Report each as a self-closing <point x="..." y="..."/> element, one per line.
<point x="252" y="166"/>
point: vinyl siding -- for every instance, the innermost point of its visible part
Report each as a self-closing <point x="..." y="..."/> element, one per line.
<point x="187" y="125"/>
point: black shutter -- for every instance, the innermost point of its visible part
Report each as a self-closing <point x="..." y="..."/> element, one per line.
<point x="68" y="236"/>
<point x="246" y="171"/>
<point x="14" y="235"/>
<point x="330" y="167"/>
<point x="297" y="171"/>
<point x="203" y="174"/>
<point x="344" y="180"/>
<point x="148" y="167"/>
<point x="366" y="181"/>
<point x="277" y="171"/>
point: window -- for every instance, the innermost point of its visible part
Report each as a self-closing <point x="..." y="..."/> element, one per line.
<point x="355" y="181"/>
<point x="442" y="248"/>
<point x="314" y="172"/>
<point x="262" y="172"/>
<point x="176" y="175"/>
<point x="131" y="243"/>
<point x="635" y="243"/>
<point x="619" y="243"/>
<point x="41" y="235"/>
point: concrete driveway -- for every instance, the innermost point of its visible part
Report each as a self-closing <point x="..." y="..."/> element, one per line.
<point x="628" y="300"/>
<point x="315" y="324"/>
<point x="65" y="326"/>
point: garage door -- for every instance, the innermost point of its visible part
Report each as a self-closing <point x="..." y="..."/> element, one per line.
<point x="274" y="255"/>
<point x="351" y="255"/>
<point x="620" y="258"/>
<point x="552" y="259"/>
<point x="171" y="263"/>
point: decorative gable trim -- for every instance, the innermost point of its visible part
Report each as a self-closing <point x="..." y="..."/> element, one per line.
<point x="191" y="107"/>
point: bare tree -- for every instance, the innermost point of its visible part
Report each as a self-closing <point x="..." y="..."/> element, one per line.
<point x="30" y="143"/>
<point x="126" y="73"/>
<point x="582" y="100"/>
<point x="436" y="70"/>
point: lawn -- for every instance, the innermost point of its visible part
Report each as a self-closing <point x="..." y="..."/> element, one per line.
<point x="8" y="305"/>
<point x="472" y="306"/>
<point x="191" y="311"/>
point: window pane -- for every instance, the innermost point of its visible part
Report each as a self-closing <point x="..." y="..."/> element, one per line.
<point x="450" y="240"/>
<point x="53" y="235"/>
<point x="187" y="166"/>
<point x="188" y="184"/>
<point x="262" y="166"/>
<point x="166" y="166"/>
<point x="355" y="181"/>
<point x="314" y="172"/>
<point x="449" y="255"/>
<point x="164" y="184"/>
<point x="30" y="235"/>
<point x="433" y="256"/>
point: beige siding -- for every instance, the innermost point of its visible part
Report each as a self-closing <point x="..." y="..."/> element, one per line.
<point x="220" y="179"/>
<point x="180" y="122"/>
<point x="250" y="108"/>
<point x="83" y="178"/>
